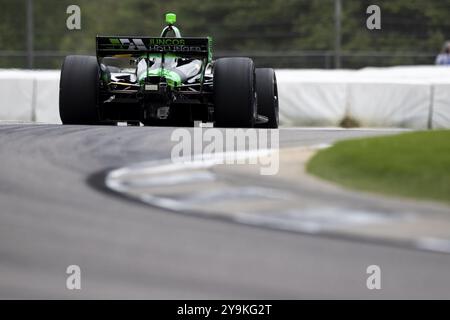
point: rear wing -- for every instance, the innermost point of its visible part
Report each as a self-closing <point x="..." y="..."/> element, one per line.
<point x="137" y="46"/>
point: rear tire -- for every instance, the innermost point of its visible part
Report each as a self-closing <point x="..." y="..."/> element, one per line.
<point x="78" y="90"/>
<point x="234" y="93"/>
<point x="267" y="93"/>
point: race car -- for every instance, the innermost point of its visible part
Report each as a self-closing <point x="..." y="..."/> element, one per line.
<point x="165" y="81"/>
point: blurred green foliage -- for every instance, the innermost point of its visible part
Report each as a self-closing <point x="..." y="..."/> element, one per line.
<point x="282" y="27"/>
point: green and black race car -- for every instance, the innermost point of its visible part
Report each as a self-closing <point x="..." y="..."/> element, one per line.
<point x="165" y="81"/>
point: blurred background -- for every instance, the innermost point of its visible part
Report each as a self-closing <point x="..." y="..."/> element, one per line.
<point x="324" y="34"/>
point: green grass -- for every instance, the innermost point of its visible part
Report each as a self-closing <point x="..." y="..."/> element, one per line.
<point x="413" y="165"/>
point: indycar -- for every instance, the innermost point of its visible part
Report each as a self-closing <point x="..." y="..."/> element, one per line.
<point x="165" y="81"/>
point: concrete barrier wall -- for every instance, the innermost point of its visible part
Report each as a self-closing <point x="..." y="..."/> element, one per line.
<point x="29" y="95"/>
<point x="47" y="97"/>
<point x="16" y="95"/>
<point x="441" y="106"/>
<point x="415" y="97"/>
<point x="412" y="97"/>
<point x="389" y="105"/>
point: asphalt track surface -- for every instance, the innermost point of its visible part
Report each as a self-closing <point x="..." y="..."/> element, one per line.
<point x="54" y="213"/>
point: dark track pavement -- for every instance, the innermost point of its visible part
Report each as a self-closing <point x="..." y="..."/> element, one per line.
<point x="51" y="217"/>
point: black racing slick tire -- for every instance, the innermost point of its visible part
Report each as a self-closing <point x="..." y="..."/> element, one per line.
<point x="78" y="90"/>
<point x="267" y="95"/>
<point x="234" y="93"/>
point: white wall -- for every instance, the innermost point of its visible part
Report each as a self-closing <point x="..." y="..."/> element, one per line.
<point x="441" y="106"/>
<point x="411" y="97"/>
<point x="16" y="95"/>
<point x="29" y="95"/>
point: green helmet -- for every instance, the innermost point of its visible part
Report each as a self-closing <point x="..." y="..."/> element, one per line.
<point x="171" y="18"/>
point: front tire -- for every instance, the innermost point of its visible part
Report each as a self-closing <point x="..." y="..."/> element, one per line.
<point x="267" y="92"/>
<point x="78" y="90"/>
<point x="234" y="93"/>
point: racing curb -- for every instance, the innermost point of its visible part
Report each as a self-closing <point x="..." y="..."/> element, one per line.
<point x="291" y="201"/>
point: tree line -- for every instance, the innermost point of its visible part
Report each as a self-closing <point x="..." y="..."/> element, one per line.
<point x="274" y="26"/>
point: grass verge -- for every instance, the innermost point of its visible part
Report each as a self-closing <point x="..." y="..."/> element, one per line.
<point x="413" y="164"/>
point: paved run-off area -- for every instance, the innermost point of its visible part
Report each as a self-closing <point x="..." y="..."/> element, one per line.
<point x="54" y="213"/>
